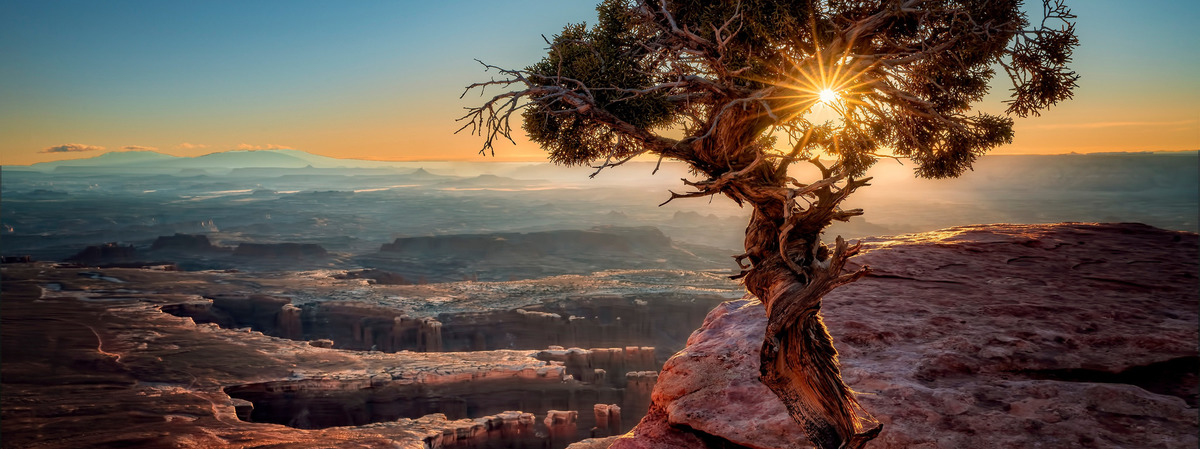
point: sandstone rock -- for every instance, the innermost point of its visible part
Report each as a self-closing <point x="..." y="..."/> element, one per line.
<point x="295" y="251"/>
<point x="363" y="326"/>
<point x="562" y="426"/>
<point x="505" y="429"/>
<point x="602" y="365"/>
<point x="507" y="256"/>
<point x="997" y="336"/>
<point x="288" y="323"/>
<point x="242" y="407"/>
<point x="119" y="372"/>
<point x="638" y="387"/>
<point x="106" y="253"/>
<point x="587" y="321"/>
<point x="608" y="419"/>
<point x="186" y="243"/>
<point x="534" y="244"/>
<point x="712" y="387"/>
<point x="377" y="276"/>
<point x="1064" y="336"/>
<point x="593" y="443"/>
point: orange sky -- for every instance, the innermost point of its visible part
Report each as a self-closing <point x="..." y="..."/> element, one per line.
<point x="382" y="81"/>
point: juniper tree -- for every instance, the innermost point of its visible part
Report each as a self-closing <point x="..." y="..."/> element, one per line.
<point x="727" y="87"/>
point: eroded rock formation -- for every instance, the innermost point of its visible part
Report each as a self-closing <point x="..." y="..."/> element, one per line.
<point x="579" y="321"/>
<point x="1000" y="336"/>
<point x="510" y="256"/>
<point x="377" y="276"/>
<point x="603" y="240"/>
<point x="292" y="251"/>
<point x="985" y="336"/>
<point x="186" y="243"/>
<point x="106" y="253"/>
<point x="594" y="365"/>
<point x="593" y="321"/>
<point x="114" y="370"/>
<point x="608" y="420"/>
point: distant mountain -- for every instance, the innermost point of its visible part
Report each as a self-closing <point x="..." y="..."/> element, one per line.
<point x="239" y="159"/>
<point x="110" y="159"/>
<point x="421" y="175"/>
<point x="319" y="161"/>
<point x="226" y="160"/>
<point x="489" y="181"/>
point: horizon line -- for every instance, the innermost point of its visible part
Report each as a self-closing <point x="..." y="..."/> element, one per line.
<point x="488" y="159"/>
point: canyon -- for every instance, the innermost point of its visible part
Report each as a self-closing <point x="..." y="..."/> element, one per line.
<point x="265" y="356"/>
<point x="1074" y="335"/>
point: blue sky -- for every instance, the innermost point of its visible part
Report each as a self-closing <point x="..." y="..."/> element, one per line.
<point x="381" y="79"/>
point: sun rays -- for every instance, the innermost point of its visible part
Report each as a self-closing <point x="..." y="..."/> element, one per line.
<point x="828" y="96"/>
<point x="828" y="80"/>
<point x="832" y="80"/>
<point x="826" y="87"/>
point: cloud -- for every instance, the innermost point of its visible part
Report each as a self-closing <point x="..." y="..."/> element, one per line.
<point x="269" y="146"/>
<point x="138" y="148"/>
<point x="71" y="148"/>
<point x="1095" y="125"/>
<point x="192" y="146"/>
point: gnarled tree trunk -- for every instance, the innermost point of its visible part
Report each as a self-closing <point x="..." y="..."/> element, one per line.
<point x="790" y="270"/>
<point x="798" y="360"/>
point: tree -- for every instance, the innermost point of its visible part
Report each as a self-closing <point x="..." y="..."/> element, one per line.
<point x="735" y="81"/>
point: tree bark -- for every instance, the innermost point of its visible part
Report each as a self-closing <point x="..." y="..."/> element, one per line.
<point x="798" y="360"/>
<point x="790" y="271"/>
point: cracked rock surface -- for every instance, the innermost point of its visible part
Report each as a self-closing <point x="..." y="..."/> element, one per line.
<point x="996" y="336"/>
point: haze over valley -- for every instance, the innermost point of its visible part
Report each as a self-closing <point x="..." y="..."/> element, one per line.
<point x="351" y="209"/>
<point x="452" y="304"/>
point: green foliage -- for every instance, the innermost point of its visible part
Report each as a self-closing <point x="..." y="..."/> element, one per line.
<point x="604" y="61"/>
<point x="764" y="28"/>
<point x="912" y="77"/>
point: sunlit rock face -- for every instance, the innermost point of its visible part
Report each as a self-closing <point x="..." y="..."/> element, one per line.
<point x="90" y="363"/>
<point x="999" y="336"/>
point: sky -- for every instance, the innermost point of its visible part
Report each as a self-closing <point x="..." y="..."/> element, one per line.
<point x="382" y="79"/>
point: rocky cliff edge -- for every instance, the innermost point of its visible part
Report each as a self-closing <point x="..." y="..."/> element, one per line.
<point x="998" y="336"/>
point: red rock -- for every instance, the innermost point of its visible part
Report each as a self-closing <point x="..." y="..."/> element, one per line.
<point x="712" y="387"/>
<point x="293" y="251"/>
<point x="594" y="366"/>
<point x="1072" y="335"/>
<point x="562" y="425"/>
<point x="638" y="386"/>
<point x="116" y="370"/>
<point x="608" y="419"/>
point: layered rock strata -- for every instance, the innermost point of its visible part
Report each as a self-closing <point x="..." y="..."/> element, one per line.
<point x="591" y="321"/>
<point x="1000" y="336"/>
<point x="90" y="363"/>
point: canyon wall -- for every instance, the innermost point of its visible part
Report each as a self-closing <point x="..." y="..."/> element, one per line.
<point x="660" y="320"/>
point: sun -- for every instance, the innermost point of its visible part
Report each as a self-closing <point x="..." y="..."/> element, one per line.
<point x="828" y="96"/>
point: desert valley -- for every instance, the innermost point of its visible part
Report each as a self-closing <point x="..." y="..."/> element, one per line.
<point x="274" y="299"/>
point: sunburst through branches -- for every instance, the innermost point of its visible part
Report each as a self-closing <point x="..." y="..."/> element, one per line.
<point x="828" y="96"/>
